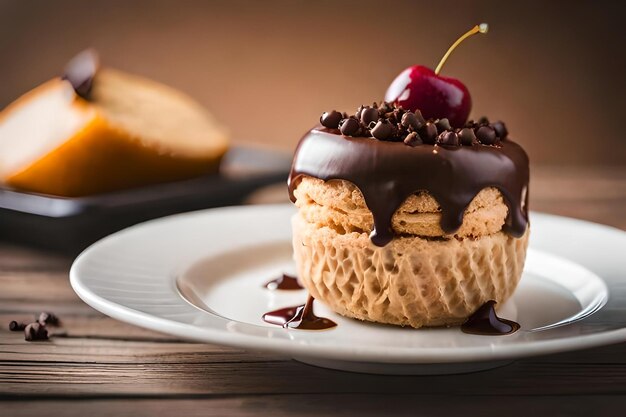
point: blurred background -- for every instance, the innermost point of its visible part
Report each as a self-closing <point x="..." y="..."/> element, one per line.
<point x="553" y="71"/>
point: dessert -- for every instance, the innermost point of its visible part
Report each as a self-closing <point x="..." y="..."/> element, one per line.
<point x="410" y="219"/>
<point x="98" y="129"/>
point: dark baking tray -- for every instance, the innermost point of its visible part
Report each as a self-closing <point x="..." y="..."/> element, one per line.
<point x="69" y="225"/>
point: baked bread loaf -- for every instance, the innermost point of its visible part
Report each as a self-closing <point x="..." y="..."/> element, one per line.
<point x="128" y="132"/>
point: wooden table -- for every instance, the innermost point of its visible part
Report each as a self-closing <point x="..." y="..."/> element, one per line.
<point x="103" y="367"/>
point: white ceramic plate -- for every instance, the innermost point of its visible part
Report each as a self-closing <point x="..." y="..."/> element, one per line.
<point x="200" y="276"/>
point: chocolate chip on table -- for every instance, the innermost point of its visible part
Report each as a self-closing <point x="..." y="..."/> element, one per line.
<point x="500" y="129"/>
<point x="448" y="139"/>
<point x="383" y="130"/>
<point x="369" y="115"/>
<point x="413" y="139"/>
<point x="35" y="331"/>
<point x="331" y="119"/>
<point x="349" y="126"/>
<point x="428" y="133"/>
<point x="467" y="136"/>
<point x="46" y="318"/>
<point x="486" y="135"/>
<point x="14" y="326"/>
<point x="442" y="125"/>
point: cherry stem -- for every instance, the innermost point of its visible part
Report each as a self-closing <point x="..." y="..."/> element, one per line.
<point x="482" y="28"/>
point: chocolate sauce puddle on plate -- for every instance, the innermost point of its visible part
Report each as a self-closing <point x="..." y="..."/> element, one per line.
<point x="299" y="317"/>
<point x="284" y="283"/>
<point x="389" y="172"/>
<point x="485" y="322"/>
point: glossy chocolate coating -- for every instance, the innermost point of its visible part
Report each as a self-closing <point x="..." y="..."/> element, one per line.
<point x="485" y="322"/>
<point x="284" y="283"/>
<point x="389" y="172"/>
<point x="299" y="317"/>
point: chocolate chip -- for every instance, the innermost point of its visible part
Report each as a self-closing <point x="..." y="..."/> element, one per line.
<point x="81" y="71"/>
<point x="500" y="129"/>
<point x="486" y="135"/>
<point x="46" y="318"/>
<point x="428" y="133"/>
<point x="15" y="326"/>
<point x="412" y="121"/>
<point x="369" y="115"/>
<point x="383" y="130"/>
<point x="349" y="126"/>
<point x="483" y="121"/>
<point x="391" y="117"/>
<point x="385" y="107"/>
<point x="331" y="119"/>
<point x="442" y="125"/>
<point x="419" y="116"/>
<point x="358" y="112"/>
<point x="413" y="139"/>
<point x="35" y="331"/>
<point x="448" y="139"/>
<point x="467" y="136"/>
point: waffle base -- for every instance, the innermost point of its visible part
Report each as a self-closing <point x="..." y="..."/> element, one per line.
<point x="412" y="281"/>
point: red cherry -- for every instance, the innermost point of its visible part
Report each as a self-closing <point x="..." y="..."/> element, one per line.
<point x="420" y="88"/>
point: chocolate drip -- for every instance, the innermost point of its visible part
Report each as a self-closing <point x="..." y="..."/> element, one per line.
<point x="285" y="283"/>
<point x="485" y="322"/>
<point x="389" y="172"/>
<point x="81" y="71"/>
<point x="299" y="317"/>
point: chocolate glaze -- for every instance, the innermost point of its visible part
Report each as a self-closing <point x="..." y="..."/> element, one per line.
<point x="285" y="283"/>
<point x="389" y="172"/>
<point x="81" y="71"/>
<point x="485" y="322"/>
<point x="299" y="317"/>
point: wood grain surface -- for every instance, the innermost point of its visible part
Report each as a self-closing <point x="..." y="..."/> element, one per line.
<point x="97" y="366"/>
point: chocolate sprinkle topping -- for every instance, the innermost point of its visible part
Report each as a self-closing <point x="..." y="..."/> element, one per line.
<point x="500" y="129"/>
<point x="448" y="139"/>
<point x="331" y="119"/>
<point x="369" y="115"/>
<point x="392" y="123"/>
<point x="486" y="135"/>
<point x="443" y="125"/>
<point x="413" y="139"/>
<point x="428" y="133"/>
<point x="383" y="130"/>
<point x="467" y="137"/>
<point x="349" y="127"/>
